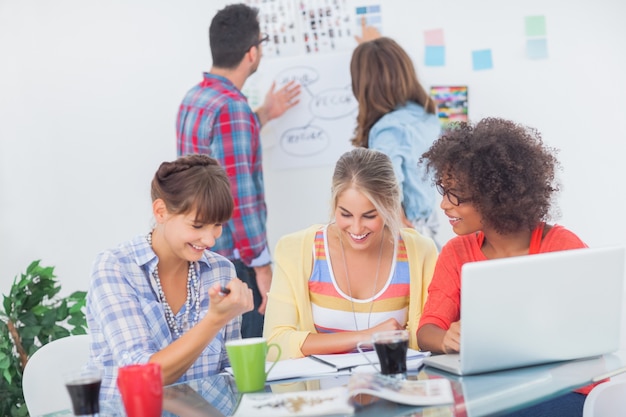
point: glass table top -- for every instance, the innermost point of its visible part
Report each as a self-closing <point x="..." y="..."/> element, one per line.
<point x="475" y="396"/>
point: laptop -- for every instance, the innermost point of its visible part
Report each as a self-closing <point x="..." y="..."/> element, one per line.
<point x="528" y="310"/>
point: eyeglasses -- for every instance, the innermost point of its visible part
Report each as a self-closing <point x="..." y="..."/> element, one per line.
<point x="452" y="198"/>
<point x="262" y="40"/>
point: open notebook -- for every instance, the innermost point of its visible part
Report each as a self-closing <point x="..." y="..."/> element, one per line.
<point x="315" y="365"/>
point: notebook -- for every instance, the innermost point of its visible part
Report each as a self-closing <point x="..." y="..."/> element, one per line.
<point x="535" y="309"/>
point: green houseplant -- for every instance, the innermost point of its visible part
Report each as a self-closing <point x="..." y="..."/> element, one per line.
<point x="32" y="315"/>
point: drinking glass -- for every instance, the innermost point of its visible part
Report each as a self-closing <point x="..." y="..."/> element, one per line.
<point x="391" y="348"/>
<point x="83" y="386"/>
<point x="141" y="387"/>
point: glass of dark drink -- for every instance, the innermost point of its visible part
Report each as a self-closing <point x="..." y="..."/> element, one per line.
<point x="391" y="348"/>
<point x="84" y="388"/>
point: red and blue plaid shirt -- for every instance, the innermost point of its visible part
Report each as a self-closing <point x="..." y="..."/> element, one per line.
<point x="215" y="119"/>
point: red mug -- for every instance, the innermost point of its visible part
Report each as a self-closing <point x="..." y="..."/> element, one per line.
<point x="141" y="387"/>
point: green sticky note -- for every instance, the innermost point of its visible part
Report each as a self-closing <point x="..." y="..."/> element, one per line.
<point x="535" y="26"/>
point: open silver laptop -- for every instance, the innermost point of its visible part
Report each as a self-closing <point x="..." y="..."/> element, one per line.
<point x="528" y="310"/>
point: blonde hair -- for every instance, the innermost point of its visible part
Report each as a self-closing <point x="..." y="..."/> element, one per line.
<point x="371" y="173"/>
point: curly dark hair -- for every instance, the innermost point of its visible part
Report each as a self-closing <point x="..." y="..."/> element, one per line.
<point x="502" y="166"/>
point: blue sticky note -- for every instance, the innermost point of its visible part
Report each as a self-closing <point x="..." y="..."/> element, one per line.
<point x="537" y="48"/>
<point x="361" y="10"/>
<point x="373" y="19"/>
<point x="435" y="56"/>
<point x="481" y="60"/>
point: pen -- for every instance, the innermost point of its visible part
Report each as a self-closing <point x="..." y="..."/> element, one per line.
<point x="315" y="358"/>
<point x="224" y="290"/>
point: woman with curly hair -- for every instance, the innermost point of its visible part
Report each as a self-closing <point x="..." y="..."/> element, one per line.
<point x="497" y="181"/>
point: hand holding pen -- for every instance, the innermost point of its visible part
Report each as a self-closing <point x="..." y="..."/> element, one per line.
<point x="230" y="299"/>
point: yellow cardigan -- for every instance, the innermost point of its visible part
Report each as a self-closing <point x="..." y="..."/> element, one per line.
<point x="289" y="317"/>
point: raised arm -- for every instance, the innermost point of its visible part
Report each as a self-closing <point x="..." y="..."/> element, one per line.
<point x="277" y="102"/>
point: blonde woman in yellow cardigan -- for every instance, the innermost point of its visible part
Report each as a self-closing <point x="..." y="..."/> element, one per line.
<point x="336" y="284"/>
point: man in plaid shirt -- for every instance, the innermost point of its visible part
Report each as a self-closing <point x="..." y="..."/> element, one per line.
<point x="214" y="118"/>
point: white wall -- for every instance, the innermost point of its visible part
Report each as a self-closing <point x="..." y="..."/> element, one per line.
<point x="89" y="92"/>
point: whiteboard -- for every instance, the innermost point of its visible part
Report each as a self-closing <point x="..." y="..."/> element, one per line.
<point x="318" y="130"/>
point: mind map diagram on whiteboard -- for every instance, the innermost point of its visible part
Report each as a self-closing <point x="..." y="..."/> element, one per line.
<point x="318" y="130"/>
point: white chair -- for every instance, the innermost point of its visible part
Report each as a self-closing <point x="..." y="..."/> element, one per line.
<point x="606" y="400"/>
<point x="42" y="382"/>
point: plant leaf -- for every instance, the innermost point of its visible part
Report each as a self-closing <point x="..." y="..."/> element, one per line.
<point x="7" y="376"/>
<point x="4" y="361"/>
<point x="29" y="332"/>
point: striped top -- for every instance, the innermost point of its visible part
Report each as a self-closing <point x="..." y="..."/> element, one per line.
<point x="335" y="311"/>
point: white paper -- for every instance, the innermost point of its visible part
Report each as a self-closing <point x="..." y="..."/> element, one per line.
<point x="413" y="364"/>
<point x="295" y="368"/>
<point x="351" y="360"/>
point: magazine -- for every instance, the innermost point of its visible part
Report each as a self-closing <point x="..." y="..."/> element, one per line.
<point x="341" y="400"/>
<point x="435" y="391"/>
<point x="298" y="403"/>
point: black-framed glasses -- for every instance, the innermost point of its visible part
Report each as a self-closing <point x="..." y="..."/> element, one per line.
<point x="261" y="40"/>
<point x="452" y="198"/>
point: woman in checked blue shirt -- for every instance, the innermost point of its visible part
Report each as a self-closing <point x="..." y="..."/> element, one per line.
<point x="157" y="297"/>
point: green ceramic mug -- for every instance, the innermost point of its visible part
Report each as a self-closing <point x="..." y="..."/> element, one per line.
<point x="247" y="358"/>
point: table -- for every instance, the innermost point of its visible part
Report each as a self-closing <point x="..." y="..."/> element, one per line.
<point x="475" y="396"/>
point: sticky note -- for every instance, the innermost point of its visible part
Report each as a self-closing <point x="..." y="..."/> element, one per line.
<point x="433" y="37"/>
<point x="373" y="20"/>
<point x="535" y="26"/>
<point x="435" y="56"/>
<point x="537" y="48"/>
<point x="481" y="59"/>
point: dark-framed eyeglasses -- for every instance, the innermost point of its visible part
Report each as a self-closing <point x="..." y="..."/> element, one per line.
<point x="452" y="198"/>
<point x="261" y="40"/>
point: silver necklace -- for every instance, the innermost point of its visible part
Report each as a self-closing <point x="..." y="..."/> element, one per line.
<point x="345" y="267"/>
<point x="193" y="291"/>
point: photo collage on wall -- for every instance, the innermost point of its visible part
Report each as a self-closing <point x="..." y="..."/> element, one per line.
<point x="297" y="27"/>
<point x="451" y="104"/>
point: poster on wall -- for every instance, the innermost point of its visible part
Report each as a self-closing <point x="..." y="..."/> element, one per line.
<point x="452" y="104"/>
<point x="305" y="26"/>
<point x="311" y="43"/>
